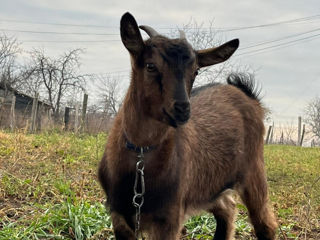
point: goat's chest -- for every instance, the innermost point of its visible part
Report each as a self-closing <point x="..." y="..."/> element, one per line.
<point x="161" y="188"/>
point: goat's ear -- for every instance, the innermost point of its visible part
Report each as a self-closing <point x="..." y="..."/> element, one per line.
<point x="130" y="35"/>
<point x="216" y="55"/>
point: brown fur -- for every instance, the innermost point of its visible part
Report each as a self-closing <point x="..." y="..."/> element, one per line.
<point x="195" y="162"/>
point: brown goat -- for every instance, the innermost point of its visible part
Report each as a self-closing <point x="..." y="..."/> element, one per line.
<point x="195" y="149"/>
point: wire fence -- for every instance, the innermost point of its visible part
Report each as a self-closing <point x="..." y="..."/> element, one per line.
<point x="19" y="111"/>
<point x="298" y="134"/>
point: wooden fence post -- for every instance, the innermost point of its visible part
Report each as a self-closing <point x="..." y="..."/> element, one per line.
<point x="38" y="122"/>
<point x="84" y="111"/>
<point x="299" y="130"/>
<point x="281" y="138"/>
<point x="34" y="112"/>
<point x="49" y="115"/>
<point x="76" y="119"/>
<point x="302" y="135"/>
<point x="268" y="135"/>
<point x="12" y="113"/>
<point x="66" y="118"/>
<point x="271" y="134"/>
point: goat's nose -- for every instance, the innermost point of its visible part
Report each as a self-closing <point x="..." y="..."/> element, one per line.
<point x="182" y="106"/>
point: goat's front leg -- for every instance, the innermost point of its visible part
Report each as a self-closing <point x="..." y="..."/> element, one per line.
<point x="122" y="230"/>
<point x="166" y="227"/>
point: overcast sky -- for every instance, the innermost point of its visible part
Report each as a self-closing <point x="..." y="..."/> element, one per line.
<point x="288" y="69"/>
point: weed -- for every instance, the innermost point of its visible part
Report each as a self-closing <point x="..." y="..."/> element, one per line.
<point x="49" y="190"/>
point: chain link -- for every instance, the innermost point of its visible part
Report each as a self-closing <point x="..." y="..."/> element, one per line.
<point x="138" y="198"/>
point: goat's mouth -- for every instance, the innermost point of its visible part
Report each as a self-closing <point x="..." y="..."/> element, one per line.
<point x="178" y="119"/>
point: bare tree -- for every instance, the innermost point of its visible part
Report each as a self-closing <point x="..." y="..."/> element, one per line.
<point x="285" y="133"/>
<point x="312" y="118"/>
<point x="68" y="75"/>
<point x="9" y="48"/>
<point x="36" y="72"/>
<point x="54" y="79"/>
<point x="201" y="37"/>
<point x="267" y="114"/>
<point x="109" y="95"/>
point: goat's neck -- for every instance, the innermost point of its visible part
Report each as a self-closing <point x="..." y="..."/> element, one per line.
<point x="140" y="129"/>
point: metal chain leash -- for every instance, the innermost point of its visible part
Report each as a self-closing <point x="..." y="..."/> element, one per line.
<point x="138" y="198"/>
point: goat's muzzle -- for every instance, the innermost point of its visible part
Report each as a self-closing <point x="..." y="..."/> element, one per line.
<point x="181" y="112"/>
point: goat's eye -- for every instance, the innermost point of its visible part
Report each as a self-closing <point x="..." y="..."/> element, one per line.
<point x="196" y="72"/>
<point x="151" y="67"/>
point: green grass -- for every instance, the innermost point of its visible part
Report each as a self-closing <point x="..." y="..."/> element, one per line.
<point x="66" y="220"/>
<point x="294" y="183"/>
<point x="49" y="190"/>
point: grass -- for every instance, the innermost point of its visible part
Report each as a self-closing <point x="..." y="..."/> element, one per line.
<point x="294" y="181"/>
<point x="49" y="190"/>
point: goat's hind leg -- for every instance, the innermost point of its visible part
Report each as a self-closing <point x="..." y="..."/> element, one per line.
<point x="255" y="196"/>
<point x="224" y="212"/>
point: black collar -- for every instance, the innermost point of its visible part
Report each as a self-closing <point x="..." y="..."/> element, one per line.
<point x="138" y="149"/>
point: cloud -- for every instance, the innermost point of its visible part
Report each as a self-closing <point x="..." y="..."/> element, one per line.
<point x="289" y="75"/>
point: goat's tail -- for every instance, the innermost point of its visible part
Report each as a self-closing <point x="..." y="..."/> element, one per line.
<point x="246" y="83"/>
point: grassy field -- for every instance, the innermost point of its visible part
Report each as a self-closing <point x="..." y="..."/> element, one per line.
<point x="49" y="190"/>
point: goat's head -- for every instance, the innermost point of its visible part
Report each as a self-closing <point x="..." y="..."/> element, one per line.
<point x="164" y="70"/>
